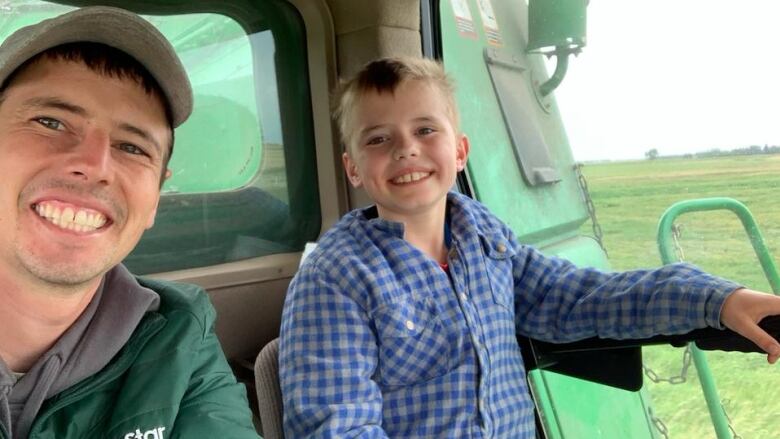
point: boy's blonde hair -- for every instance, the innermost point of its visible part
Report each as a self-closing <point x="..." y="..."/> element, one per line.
<point x="385" y="76"/>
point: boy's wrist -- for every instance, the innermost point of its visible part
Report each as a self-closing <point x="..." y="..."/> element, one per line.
<point x="714" y="305"/>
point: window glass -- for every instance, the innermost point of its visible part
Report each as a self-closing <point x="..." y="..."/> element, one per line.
<point x="243" y="178"/>
<point x="223" y="136"/>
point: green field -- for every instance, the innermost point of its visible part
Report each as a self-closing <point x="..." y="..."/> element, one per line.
<point x="630" y="198"/>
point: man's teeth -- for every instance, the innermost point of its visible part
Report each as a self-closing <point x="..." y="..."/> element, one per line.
<point x="68" y="218"/>
<point x="413" y="176"/>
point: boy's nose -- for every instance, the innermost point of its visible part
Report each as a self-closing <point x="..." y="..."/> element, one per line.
<point x="406" y="147"/>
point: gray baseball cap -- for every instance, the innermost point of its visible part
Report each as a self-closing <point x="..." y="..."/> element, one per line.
<point x="113" y="27"/>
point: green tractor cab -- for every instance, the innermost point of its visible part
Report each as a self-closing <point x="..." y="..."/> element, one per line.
<point x="257" y="171"/>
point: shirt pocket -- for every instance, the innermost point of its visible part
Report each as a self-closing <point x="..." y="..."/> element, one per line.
<point x="498" y="253"/>
<point x="413" y="345"/>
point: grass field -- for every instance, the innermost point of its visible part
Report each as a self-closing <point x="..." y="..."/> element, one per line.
<point x="630" y="197"/>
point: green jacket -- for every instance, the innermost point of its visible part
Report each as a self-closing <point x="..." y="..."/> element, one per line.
<point x="170" y="380"/>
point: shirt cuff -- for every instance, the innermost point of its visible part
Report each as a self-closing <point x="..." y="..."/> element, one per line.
<point x="714" y="306"/>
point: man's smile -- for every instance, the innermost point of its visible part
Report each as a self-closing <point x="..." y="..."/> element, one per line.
<point x="70" y="217"/>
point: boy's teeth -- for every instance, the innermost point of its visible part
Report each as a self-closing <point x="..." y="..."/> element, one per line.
<point x="412" y="176"/>
<point x="69" y="218"/>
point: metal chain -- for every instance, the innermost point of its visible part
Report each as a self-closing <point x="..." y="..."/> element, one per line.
<point x="674" y="380"/>
<point x="723" y="405"/>
<point x="658" y="424"/>
<point x="597" y="232"/>
<point x="676" y="235"/>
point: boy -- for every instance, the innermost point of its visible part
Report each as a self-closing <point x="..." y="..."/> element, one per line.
<point x="402" y="322"/>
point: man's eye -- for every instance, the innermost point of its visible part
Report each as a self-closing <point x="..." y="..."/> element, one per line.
<point x="425" y="131"/>
<point x="131" y="149"/>
<point x="52" y="124"/>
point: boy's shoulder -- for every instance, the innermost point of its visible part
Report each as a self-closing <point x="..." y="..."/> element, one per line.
<point x="343" y="240"/>
<point x="475" y="214"/>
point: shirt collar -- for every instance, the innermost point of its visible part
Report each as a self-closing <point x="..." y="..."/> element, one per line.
<point x="371" y="217"/>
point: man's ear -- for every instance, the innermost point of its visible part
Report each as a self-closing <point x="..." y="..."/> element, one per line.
<point x="153" y="214"/>
<point x="461" y="151"/>
<point x="351" y="169"/>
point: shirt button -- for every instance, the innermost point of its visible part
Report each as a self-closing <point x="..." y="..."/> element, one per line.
<point x="464" y="297"/>
<point x="410" y="325"/>
<point x="501" y="248"/>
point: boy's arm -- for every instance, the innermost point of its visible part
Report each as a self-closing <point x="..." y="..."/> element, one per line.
<point x="558" y="302"/>
<point x="327" y="356"/>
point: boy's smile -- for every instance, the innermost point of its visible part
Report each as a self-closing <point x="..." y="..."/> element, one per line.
<point x="406" y="152"/>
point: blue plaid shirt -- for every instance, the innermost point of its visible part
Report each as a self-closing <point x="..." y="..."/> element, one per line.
<point x="378" y="341"/>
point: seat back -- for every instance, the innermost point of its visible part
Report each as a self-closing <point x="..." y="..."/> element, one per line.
<point x="269" y="394"/>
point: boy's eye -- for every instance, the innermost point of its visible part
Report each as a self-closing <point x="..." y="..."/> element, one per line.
<point x="425" y="131"/>
<point x="131" y="149"/>
<point x="376" y="140"/>
<point x="50" y="123"/>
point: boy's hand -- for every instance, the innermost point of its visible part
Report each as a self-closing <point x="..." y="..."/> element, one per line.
<point x="743" y="310"/>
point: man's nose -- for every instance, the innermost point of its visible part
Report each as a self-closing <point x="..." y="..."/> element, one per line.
<point x="90" y="159"/>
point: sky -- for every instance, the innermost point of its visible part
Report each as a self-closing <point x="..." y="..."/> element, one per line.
<point x="675" y="75"/>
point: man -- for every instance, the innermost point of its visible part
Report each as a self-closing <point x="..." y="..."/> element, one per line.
<point x="88" y="104"/>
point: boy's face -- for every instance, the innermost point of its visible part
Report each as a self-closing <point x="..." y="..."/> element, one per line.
<point x="405" y="151"/>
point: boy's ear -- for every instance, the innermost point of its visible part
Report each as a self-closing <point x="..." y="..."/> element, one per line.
<point x="352" y="170"/>
<point x="461" y="152"/>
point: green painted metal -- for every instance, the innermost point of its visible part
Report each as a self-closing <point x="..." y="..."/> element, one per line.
<point x="556" y="27"/>
<point x="665" y="247"/>
<point x="556" y="23"/>
<point x="710" y="390"/>
<point x="719" y="203"/>
<point x="574" y="409"/>
<point x="537" y="215"/>
<point x="562" y="66"/>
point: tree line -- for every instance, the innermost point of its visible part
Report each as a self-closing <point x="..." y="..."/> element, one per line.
<point x="653" y="154"/>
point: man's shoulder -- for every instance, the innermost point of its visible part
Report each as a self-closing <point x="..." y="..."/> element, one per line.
<point x="181" y="299"/>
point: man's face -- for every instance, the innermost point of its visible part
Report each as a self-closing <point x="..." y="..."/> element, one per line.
<point x="406" y="152"/>
<point x="80" y="158"/>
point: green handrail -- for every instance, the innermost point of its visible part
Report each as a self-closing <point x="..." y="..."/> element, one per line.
<point x="718" y="416"/>
<point x="720" y="203"/>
